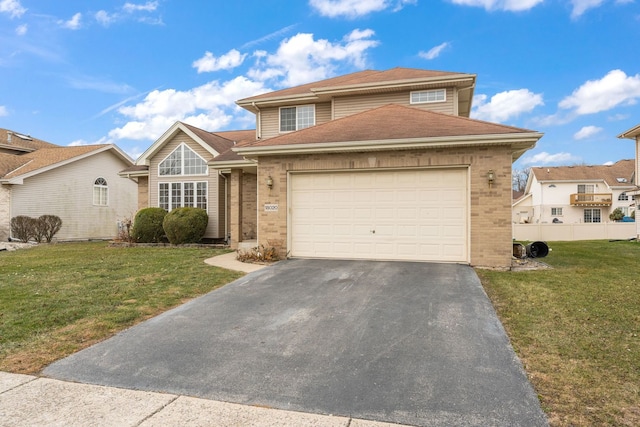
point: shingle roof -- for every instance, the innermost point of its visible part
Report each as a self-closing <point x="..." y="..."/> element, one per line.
<point x="389" y="122"/>
<point x="215" y="141"/>
<point x="45" y="157"/>
<point x="16" y="139"/>
<point x="623" y="169"/>
<point x="357" y="78"/>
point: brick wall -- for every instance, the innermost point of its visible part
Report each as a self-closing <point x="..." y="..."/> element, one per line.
<point x="490" y="210"/>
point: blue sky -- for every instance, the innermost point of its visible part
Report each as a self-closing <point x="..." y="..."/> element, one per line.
<point x="75" y="72"/>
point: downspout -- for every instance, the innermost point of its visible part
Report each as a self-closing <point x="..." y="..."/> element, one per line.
<point x="258" y="121"/>
<point x="226" y="210"/>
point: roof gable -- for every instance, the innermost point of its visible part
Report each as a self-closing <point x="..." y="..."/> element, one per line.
<point x="212" y="143"/>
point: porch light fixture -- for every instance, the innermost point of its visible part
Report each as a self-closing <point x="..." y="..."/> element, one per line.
<point x="269" y="182"/>
<point x="491" y="176"/>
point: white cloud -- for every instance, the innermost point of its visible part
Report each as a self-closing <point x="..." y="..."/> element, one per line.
<point x="209" y="106"/>
<point x="73" y="23"/>
<point x="209" y="63"/>
<point x="434" y="52"/>
<point x="21" y="30"/>
<point x="301" y="59"/>
<point x="581" y="6"/>
<point x="545" y="158"/>
<point x="12" y="7"/>
<point x="505" y="105"/>
<point x="105" y="18"/>
<point x="594" y="96"/>
<point x="586" y="132"/>
<point x="3" y="111"/>
<point x="507" y="5"/>
<point x="149" y="6"/>
<point x="356" y="8"/>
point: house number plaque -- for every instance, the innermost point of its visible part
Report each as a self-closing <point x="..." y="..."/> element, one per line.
<point x="271" y="207"/>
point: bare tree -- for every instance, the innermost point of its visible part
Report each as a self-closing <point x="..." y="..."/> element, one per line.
<point x="519" y="178"/>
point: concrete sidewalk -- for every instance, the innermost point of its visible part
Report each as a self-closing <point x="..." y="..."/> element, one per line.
<point x="230" y="262"/>
<point x="32" y="401"/>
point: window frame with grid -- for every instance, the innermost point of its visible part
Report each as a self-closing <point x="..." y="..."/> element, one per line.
<point x="172" y="195"/>
<point x="183" y="161"/>
<point x="556" y="211"/>
<point x="589" y="217"/>
<point x="296" y="118"/>
<point x="428" y="96"/>
<point x="100" y="192"/>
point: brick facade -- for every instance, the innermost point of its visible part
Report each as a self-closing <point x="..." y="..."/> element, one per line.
<point x="490" y="207"/>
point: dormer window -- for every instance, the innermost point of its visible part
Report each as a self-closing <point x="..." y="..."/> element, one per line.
<point x="426" y="96"/>
<point x="182" y="161"/>
<point x="296" y="118"/>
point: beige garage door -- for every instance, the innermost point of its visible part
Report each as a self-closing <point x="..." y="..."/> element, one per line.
<point x="417" y="214"/>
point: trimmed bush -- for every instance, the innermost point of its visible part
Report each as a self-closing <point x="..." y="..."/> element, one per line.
<point x="147" y="225"/>
<point x="616" y="215"/>
<point x="23" y="227"/>
<point x="185" y="225"/>
<point x="48" y="226"/>
<point x="26" y="228"/>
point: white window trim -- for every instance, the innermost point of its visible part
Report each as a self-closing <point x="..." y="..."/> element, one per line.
<point x="195" y="194"/>
<point x="296" y="107"/>
<point x="557" y="214"/>
<point x="104" y="188"/>
<point x="444" y="91"/>
<point x="181" y="147"/>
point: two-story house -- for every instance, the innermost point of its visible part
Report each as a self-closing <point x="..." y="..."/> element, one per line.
<point x="576" y="194"/>
<point x="634" y="134"/>
<point x="371" y="165"/>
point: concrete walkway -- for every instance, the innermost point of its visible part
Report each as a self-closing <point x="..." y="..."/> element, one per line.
<point x="230" y="262"/>
<point x="31" y="401"/>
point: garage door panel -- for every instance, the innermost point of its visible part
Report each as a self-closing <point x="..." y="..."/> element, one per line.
<point x="416" y="215"/>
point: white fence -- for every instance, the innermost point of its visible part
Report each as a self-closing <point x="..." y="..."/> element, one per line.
<point x="564" y="232"/>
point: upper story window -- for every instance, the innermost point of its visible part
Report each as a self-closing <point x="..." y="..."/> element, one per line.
<point x="100" y="192"/>
<point x="424" y="96"/>
<point x="586" y="188"/>
<point x="622" y="197"/>
<point x="183" y="161"/>
<point x="296" y="118"/>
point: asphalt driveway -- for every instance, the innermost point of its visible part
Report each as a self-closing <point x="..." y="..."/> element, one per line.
<point x="412" y="343"/>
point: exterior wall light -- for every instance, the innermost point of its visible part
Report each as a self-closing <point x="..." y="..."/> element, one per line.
<point x="269" y="182"/>
<point x="491" y="176"/>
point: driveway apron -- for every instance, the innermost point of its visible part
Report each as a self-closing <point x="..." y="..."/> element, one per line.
<point x="412" y="343"/>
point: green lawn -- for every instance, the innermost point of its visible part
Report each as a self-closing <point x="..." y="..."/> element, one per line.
<point x="576" y="328"/>
<point x="57" y="299"/>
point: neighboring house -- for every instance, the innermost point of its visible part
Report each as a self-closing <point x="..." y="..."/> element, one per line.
<point x="634" y="134"/>
<point x="383" y="165"/>
<point x="576" y="194"/>
<point x="78" y="184"/>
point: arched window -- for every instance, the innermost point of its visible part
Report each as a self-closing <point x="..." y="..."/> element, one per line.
<point x="622" y="197"/>
<point x="182" y="161"/>
<point x="100" y="192"/>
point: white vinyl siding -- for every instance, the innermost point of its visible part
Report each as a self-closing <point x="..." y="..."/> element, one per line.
<point x="68" y="192"/>
<point x="419" y="215"/>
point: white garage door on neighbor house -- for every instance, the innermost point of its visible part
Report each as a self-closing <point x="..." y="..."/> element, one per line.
<point x="417" y="215"/>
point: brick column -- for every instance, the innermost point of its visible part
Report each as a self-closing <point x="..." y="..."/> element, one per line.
<point x="235" y="210"/>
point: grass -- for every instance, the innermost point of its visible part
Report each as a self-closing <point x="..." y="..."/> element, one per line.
<point x="576" y="329"/>
<point x="57" y="299"/>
